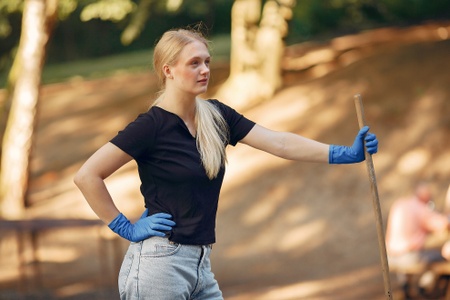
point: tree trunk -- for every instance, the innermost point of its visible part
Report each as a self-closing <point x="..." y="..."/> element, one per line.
<point x="24" y="81"/>
<point x="257" y="46"/>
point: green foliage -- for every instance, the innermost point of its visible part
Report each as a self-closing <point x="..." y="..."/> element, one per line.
<point x="107" y="10"/>
<point x="198" y="8"/>
<point x="416" y="10"/>
<point x="95" y="28"/>
<point x="135" y="61"/>
<point x="132" y="61"/>
<point x="7" y="8"/>
<point x="137" y="22"/>
<point x="220" y="47"/>
<point x="73" y="39"/>
<point x="314" y="18"/>
<point x="10" y="21"/>
<point x="65" y="8"/>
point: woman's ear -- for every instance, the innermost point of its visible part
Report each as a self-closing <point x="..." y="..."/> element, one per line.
<point x="167" y="73"/>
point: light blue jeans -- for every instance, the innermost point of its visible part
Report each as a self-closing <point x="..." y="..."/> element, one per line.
<point x="157" y="269"/>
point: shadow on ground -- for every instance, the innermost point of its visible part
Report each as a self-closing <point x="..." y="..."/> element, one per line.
<point x="286" y="230"/>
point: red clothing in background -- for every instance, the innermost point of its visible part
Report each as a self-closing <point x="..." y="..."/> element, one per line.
<point x="410" y="222"/>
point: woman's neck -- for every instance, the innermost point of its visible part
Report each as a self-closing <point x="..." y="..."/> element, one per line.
<point x="183" y="107"/>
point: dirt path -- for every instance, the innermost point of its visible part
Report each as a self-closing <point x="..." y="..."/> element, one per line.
<point x="285" y="230"/>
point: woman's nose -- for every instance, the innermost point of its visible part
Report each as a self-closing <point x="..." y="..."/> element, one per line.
<point x="205" y="69"/>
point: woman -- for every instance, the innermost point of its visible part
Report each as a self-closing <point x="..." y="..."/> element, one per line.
<point x="179" y="146"/>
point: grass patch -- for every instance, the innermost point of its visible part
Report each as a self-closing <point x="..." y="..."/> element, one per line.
<point x="101" y="67"/>
<point x="98" y="67"/>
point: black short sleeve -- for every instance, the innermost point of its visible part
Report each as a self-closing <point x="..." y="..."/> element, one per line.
<point x="173" y="179"/>
<point x="138" y="138"/>
<point x="239" y="125"/>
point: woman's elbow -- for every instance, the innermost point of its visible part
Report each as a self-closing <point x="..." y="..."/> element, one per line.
<point x="82" y="177"/>
<point x="78" y="178"/>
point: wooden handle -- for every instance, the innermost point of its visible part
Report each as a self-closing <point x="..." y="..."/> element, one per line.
<point x="375" y="202"/>
<point x="359" y="111"/>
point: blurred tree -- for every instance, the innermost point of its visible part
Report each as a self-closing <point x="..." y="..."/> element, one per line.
<point x="10" y="14"/>
<point x="7" y="8"/>
<point x="257" y="47"/>
<point x="38" y="19"/>
<point x="102" y="34"/>
<point x="23" y="87"/>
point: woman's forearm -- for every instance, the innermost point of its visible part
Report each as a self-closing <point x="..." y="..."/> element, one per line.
<point x="287" y="145"/>
<point x="90" y="180"/>
<point x="296" y="147"/>
<point x="96" y="194"/>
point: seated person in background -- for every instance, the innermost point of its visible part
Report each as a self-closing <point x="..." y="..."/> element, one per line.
<point x="446" y="247"/>
<point x="410" y="224"/>
<point x="447" y="202"/>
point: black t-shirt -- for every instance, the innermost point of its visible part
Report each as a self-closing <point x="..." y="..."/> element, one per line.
<point x="173" y="179"/>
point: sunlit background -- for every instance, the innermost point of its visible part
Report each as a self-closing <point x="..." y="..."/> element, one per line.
<point x="285" y="230"/>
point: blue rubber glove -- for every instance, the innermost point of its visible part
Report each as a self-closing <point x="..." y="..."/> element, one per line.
<point x="145" y="227"/>
<point x="355" y="153"/>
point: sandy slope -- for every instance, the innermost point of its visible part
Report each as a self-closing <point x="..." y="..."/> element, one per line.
<point x="286" y="230"/>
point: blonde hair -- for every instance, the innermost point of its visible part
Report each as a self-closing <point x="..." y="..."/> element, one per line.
<point x="212" y="129"/>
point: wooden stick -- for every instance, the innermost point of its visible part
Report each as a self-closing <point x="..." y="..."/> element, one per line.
<point x="375" y="202"/>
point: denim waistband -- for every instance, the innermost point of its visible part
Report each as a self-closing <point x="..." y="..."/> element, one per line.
<point x="206" y="245"/>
